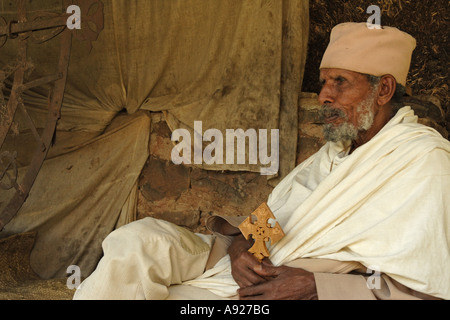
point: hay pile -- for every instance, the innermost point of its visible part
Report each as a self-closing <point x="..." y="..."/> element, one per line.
<point x="17" y="279"/>
<point x="426" y="21"/>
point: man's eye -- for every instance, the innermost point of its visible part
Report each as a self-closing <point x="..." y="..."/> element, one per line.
<point x="340" y="80"/>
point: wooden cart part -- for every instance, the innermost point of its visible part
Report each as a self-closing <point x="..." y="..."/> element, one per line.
<point x="22" y="30"/>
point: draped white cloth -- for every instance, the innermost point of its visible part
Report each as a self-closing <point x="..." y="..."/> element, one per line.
<point x="386" y="206"/>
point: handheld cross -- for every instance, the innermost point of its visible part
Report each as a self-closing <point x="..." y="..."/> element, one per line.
<point x="261" y="231"/>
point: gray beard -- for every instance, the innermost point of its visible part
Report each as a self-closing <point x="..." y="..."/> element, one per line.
<point x="347" y="131"/>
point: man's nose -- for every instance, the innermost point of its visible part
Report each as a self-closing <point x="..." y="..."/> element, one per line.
<point x="326" y="94"/>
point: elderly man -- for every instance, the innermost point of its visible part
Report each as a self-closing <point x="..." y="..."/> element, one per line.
<point x="366" y="217"/>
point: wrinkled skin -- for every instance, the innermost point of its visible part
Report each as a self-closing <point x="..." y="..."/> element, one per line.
<point x="263" y="281"/>
<point x="343" y="91"/>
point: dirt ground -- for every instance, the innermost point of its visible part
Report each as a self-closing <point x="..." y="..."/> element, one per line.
<point x="427" y="21"/>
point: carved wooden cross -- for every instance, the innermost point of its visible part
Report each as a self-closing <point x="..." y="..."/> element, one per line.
<point x="261" y="231"/>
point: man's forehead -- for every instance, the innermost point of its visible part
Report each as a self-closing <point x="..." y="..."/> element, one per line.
<point x="333" y="73"/>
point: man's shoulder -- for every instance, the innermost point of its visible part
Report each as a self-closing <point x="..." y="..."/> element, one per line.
<point x="419" y="135"/>
<point x="428" y="145"/>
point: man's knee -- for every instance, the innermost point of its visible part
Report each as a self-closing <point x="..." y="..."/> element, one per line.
<point x="152" y="233"/>
<point x="136" y="235"/>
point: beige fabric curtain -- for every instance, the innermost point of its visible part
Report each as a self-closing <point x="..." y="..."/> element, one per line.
<point x="81" y="195"/>
<point x="230" y="64"/>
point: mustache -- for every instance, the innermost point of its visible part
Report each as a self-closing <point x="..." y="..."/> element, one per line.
<point x="328" y="111"/>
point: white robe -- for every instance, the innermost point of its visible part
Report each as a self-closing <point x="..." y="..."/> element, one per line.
<point x="386" y="206"/>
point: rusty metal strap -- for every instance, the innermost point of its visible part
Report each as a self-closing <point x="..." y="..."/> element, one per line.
<point x="23" y="31"/>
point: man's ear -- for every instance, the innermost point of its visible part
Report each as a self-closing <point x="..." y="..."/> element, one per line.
<point x="386" y="89"/>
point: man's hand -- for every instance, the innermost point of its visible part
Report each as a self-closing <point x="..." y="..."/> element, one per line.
<point x="284" y="283"/>
<point x="243" y="263"/>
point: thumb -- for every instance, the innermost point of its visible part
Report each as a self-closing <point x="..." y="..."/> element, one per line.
<point x="266" y="270"/>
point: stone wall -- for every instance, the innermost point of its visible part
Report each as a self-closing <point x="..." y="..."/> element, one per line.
<point x="310" y="137"/>
<point x="187" y="195"/>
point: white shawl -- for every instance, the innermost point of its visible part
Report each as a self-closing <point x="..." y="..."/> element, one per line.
<point x="386" y="206"/>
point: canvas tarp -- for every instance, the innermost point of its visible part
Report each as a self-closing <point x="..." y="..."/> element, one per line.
<point x="230" y="64"/>
<point x="81" y="195"/>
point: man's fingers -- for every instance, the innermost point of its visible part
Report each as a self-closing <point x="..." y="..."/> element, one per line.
<point x="267" y="262"/>
<point x="249" y="292"/>
<point x="250" y="297"/>
<point x="265" y="270"/>
<point x="256" y="292"/>
<point x="248" y="278"/>
<point x="243" y="270"/>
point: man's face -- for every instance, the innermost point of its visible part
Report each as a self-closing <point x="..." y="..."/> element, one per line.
<point x="348" y="100"/>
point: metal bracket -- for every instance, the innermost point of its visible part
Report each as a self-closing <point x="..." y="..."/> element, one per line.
<point x="41" y="28"/>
